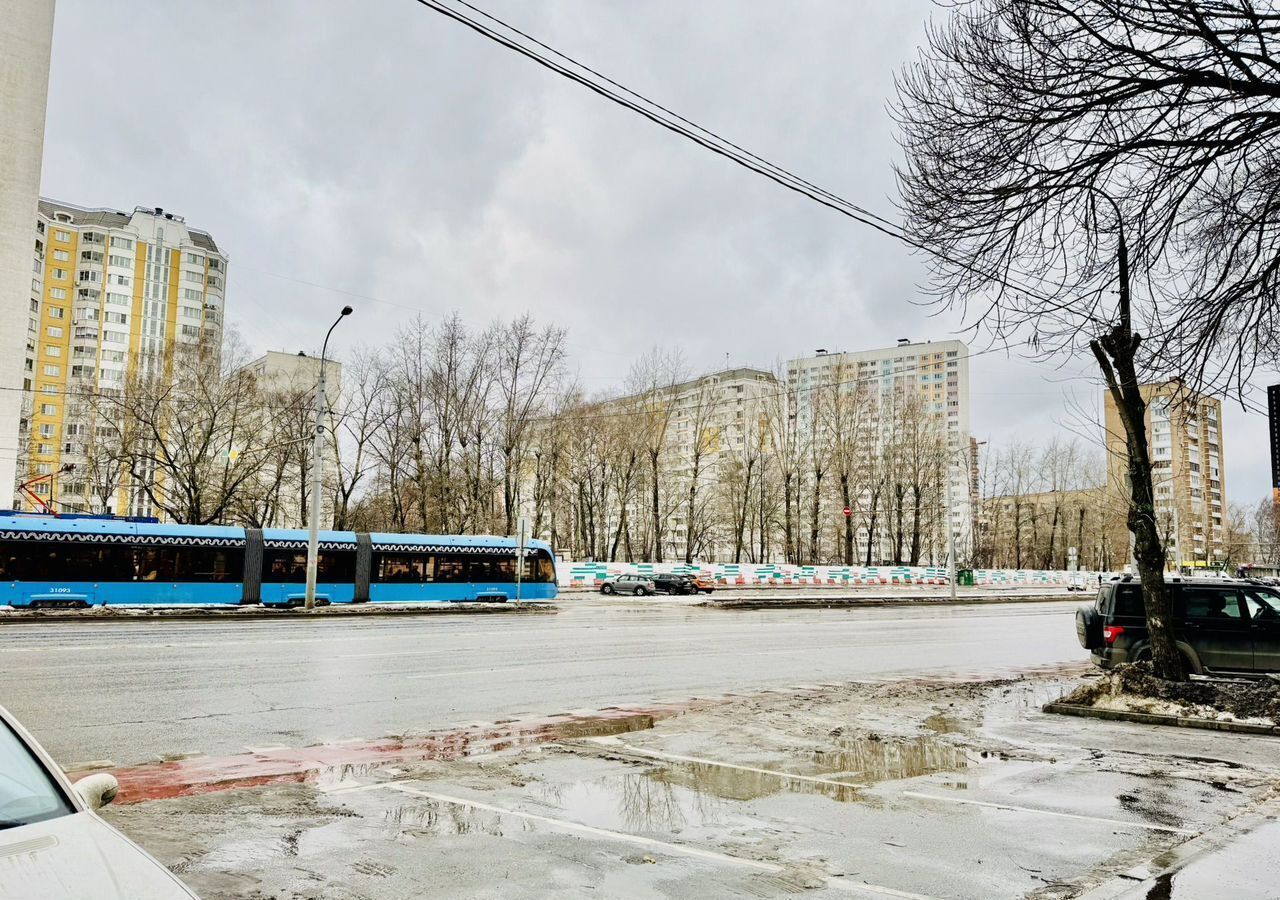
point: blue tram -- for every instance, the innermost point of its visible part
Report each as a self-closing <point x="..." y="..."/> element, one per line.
<point x="79" y="561"/>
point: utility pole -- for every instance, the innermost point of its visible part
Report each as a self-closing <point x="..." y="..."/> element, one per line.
<point x="317" y="455"/>
<point x="951" y="541"/>
<point x="522" y="541"/>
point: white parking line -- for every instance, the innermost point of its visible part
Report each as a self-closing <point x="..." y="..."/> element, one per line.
<point x="675" y="757"/>
<point x="1048" y="812"/>
<point x="604" y="833"/>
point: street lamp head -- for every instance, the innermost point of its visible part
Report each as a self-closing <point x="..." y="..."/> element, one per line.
<point x="346" y="310"/>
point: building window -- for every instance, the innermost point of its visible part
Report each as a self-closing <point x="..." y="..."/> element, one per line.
<point x="48" y="409"/>
<point x="59" y="274"/>
<point x="117" y="318"/>
<point x="44" y="449"/>
<point x="55" y="331"/>
<point x="191" y="330"/>
<point x="117" y="299"/>
<point x="122" y="280"/>
<point x="62" y="235"/>
<point x="47" y="430"/>
<point x="197" y="277"/>
<point x="62" y="255"/>
<point x="191" y="294"/>
<point x="120" y="261"/>
<point x="57" y="312"/>
<point x="118" y="337"/>
<point x="53" y="371"/>
<point x="122" y="242"/>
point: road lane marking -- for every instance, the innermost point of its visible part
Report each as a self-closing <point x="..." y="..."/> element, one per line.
<point x="675" y="757"/>
<point x="606" y="834"/>
<point x="1048" y="812"/>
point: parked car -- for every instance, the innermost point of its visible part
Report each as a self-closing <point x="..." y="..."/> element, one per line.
<point x="674" y="584"/>
<point x="1077" y="582"/>
<point x="1220" y="625"/>
<point x="53" y="843"/>
<point x="628" y="584"/>
<point x="704" y="583"/>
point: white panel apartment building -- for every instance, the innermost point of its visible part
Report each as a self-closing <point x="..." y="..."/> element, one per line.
<point x="936" y="372"/>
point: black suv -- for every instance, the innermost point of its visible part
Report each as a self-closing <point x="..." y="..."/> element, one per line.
<point x="674" y="584"/>
<point x="1220" y="625"/>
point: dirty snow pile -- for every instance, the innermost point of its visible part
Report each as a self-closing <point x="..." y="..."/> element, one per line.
<point x="1135" y="688"/>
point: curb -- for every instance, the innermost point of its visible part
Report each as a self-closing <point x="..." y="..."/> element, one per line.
<point x="117" y="614"/>
<point x="831" y="602"/>
<point x="1117" y="715"/>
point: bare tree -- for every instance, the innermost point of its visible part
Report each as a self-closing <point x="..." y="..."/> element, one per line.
<point x="1062" y="154"/>
<point x="651" y="381"/>
<point x="178" y="427"/>
<point x="528" y="363"/>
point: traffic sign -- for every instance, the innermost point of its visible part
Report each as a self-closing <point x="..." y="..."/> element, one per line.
<point x="847" y="512"/>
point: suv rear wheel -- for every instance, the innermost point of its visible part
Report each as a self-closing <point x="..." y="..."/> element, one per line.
<point x="639" y="591"/>
<point x="607" y="589"/>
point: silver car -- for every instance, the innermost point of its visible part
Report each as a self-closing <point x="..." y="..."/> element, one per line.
<point x="53" y="845"/>
<point x="638" y="585"/>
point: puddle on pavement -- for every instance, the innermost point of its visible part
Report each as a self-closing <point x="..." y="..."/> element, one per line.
<point x="941" y="723"/>
<point x="870" y="760"/>
<point x="636" y="801"/>
<point x="737" y="784"/>
<point x="433" y="817"/>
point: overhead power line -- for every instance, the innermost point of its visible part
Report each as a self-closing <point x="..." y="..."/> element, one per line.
<point x="704" y="137"/>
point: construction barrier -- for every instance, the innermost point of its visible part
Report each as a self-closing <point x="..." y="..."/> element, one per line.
<point x="592" y="574"/>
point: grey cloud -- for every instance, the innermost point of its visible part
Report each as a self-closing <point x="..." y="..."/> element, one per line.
<point x="380" y="148"/>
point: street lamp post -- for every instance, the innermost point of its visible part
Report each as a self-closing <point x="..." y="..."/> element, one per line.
<point x="317" y="455"/>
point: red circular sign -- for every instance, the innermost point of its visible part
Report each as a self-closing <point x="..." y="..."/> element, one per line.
<point x="847" y="512"/>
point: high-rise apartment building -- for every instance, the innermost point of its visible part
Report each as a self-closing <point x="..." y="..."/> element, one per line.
<point x="931" y="379"/>
<point x="113" y="295"/>
<point x="1184" y="431"/>
<point x="26" y="38"/>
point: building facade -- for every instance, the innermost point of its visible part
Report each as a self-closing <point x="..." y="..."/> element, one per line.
<point x="930" y="380"/>
<point x="114" y="296"/>
<point x="286" y="384"/>
<point x="26" y="40"/>
<point x="703" y="429"/>
<point x="1184" y="431"/>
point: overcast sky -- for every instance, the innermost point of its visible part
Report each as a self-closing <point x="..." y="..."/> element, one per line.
<point x="378" y="148"/>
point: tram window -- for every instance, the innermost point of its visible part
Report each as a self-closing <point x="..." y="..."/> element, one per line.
<point x="58" y="561"/>
<point x="284" y="566"/>
<point x="208" y="564"/>
<point x="336" y="566"/>
<point x="402" y="568"/>
<point x="290" y="566"/>
<point x="451" y="569"/>
<point x="493" y="568"/>
<point x="538" y="567"/>
<point x="201" y="565"/>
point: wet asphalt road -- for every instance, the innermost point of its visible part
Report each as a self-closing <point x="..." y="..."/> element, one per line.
<point x="133" y="692"/>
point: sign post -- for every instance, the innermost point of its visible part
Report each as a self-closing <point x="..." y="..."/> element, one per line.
<point x="522" y="541"/>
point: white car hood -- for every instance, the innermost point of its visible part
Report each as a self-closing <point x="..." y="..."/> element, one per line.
<point x="80" y="856"/>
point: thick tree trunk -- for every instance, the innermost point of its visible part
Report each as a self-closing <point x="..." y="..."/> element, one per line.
<point x="845" y="495"/>
<point x="1117" y="353"/>
<point x="656" y="510"/>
